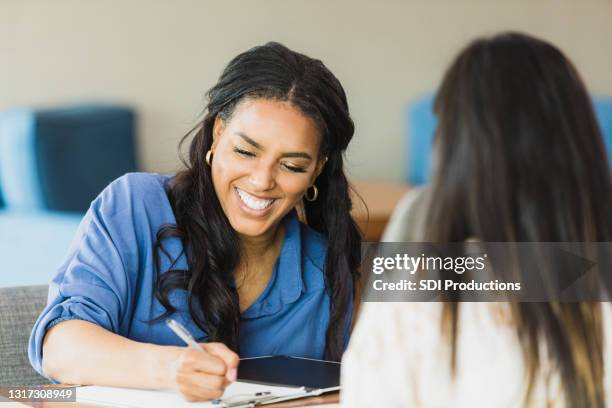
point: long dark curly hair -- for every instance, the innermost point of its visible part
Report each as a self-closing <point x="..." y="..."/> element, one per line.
<point x="272" y="72"/>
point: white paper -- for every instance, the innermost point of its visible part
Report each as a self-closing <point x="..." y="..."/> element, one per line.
<point x="135" y="398"/>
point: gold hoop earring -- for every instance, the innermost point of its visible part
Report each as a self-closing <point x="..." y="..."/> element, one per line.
<point x="208" y="157"/>
<point x="314" y="195"/>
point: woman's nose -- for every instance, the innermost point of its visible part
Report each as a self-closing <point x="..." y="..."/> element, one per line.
<point x="262" y="177"/>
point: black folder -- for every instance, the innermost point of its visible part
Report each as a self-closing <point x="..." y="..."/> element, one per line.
<point x="291" y="372"/>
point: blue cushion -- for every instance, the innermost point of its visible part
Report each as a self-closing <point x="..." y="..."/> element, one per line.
<point x="603" y="111"/>
<point x="422" y="126"/>
<point x="33" y="245"/>
<point x="18" y="170"/>
<point x="60" y="159"/>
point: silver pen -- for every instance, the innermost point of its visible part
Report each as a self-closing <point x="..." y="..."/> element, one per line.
<point x="244" y="400"/>
<point x="184" y="335"/>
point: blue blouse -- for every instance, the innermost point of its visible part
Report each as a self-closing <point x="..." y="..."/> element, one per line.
<point x="109" y="276"/>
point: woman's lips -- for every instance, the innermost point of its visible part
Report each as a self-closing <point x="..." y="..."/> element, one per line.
<point x="253" y="205"/>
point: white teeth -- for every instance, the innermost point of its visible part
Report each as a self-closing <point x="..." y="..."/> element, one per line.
<point x="252" y="202"/>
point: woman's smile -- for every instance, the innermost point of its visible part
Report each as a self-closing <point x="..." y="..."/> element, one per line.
<point x="253" y="205"/>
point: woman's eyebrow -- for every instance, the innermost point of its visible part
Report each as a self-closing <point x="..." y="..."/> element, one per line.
<point x="300" y="155"/>
<point x="250" y="141"/>
<point x="256" y="145"/>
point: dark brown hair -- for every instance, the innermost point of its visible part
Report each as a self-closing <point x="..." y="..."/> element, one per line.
<point x="521" y="158"/>
<point x="271" y="71"/>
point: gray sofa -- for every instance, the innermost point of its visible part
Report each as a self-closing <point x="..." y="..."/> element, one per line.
<point x="19" y="309"/>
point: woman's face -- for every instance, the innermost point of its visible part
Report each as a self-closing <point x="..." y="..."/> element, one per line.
<point x="264" y="158"/>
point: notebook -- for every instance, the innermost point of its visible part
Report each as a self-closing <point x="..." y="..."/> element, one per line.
<point x="282" y="378"/>
<point x="135" y="398"/>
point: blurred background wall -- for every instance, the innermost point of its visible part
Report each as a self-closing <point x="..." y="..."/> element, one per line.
<point x="161" y="56"/>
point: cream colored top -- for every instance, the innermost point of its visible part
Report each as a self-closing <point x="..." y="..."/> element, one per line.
<point x="397" y="356"/>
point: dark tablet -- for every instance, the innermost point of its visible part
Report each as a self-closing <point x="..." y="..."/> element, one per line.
<point x="290" y="372"/>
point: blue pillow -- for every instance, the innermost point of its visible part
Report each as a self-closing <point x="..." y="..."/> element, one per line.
<point x="60" y="159"/>
<point x="18" y="170"/>
<point x="603" y="111"/>
<point x="420" y="133"/>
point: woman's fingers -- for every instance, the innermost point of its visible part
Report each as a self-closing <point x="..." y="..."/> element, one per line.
<point x="205" y="375"/>
<point x="204" y="361"/>
<point x="192" y="394"/>
<point x="201" y="375"/>
<point x="197" y="386"/>
<point x="230" y="358"/>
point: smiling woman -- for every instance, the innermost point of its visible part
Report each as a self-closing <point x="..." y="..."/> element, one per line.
<point x="219" y="246"/>
<point x="265" y="157"/>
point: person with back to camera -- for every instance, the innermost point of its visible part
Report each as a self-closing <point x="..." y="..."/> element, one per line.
<point x="520" y="157"/>
<point x="219" y="247"/>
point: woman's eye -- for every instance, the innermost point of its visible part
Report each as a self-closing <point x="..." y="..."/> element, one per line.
<point x="294" y="169"/>
<point x="290" y="167"/>
<point x="244" y="153"/>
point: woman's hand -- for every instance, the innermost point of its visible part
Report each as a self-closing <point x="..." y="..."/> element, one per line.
<point x="80" y="352"/>
<point x="204" y="375"/>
